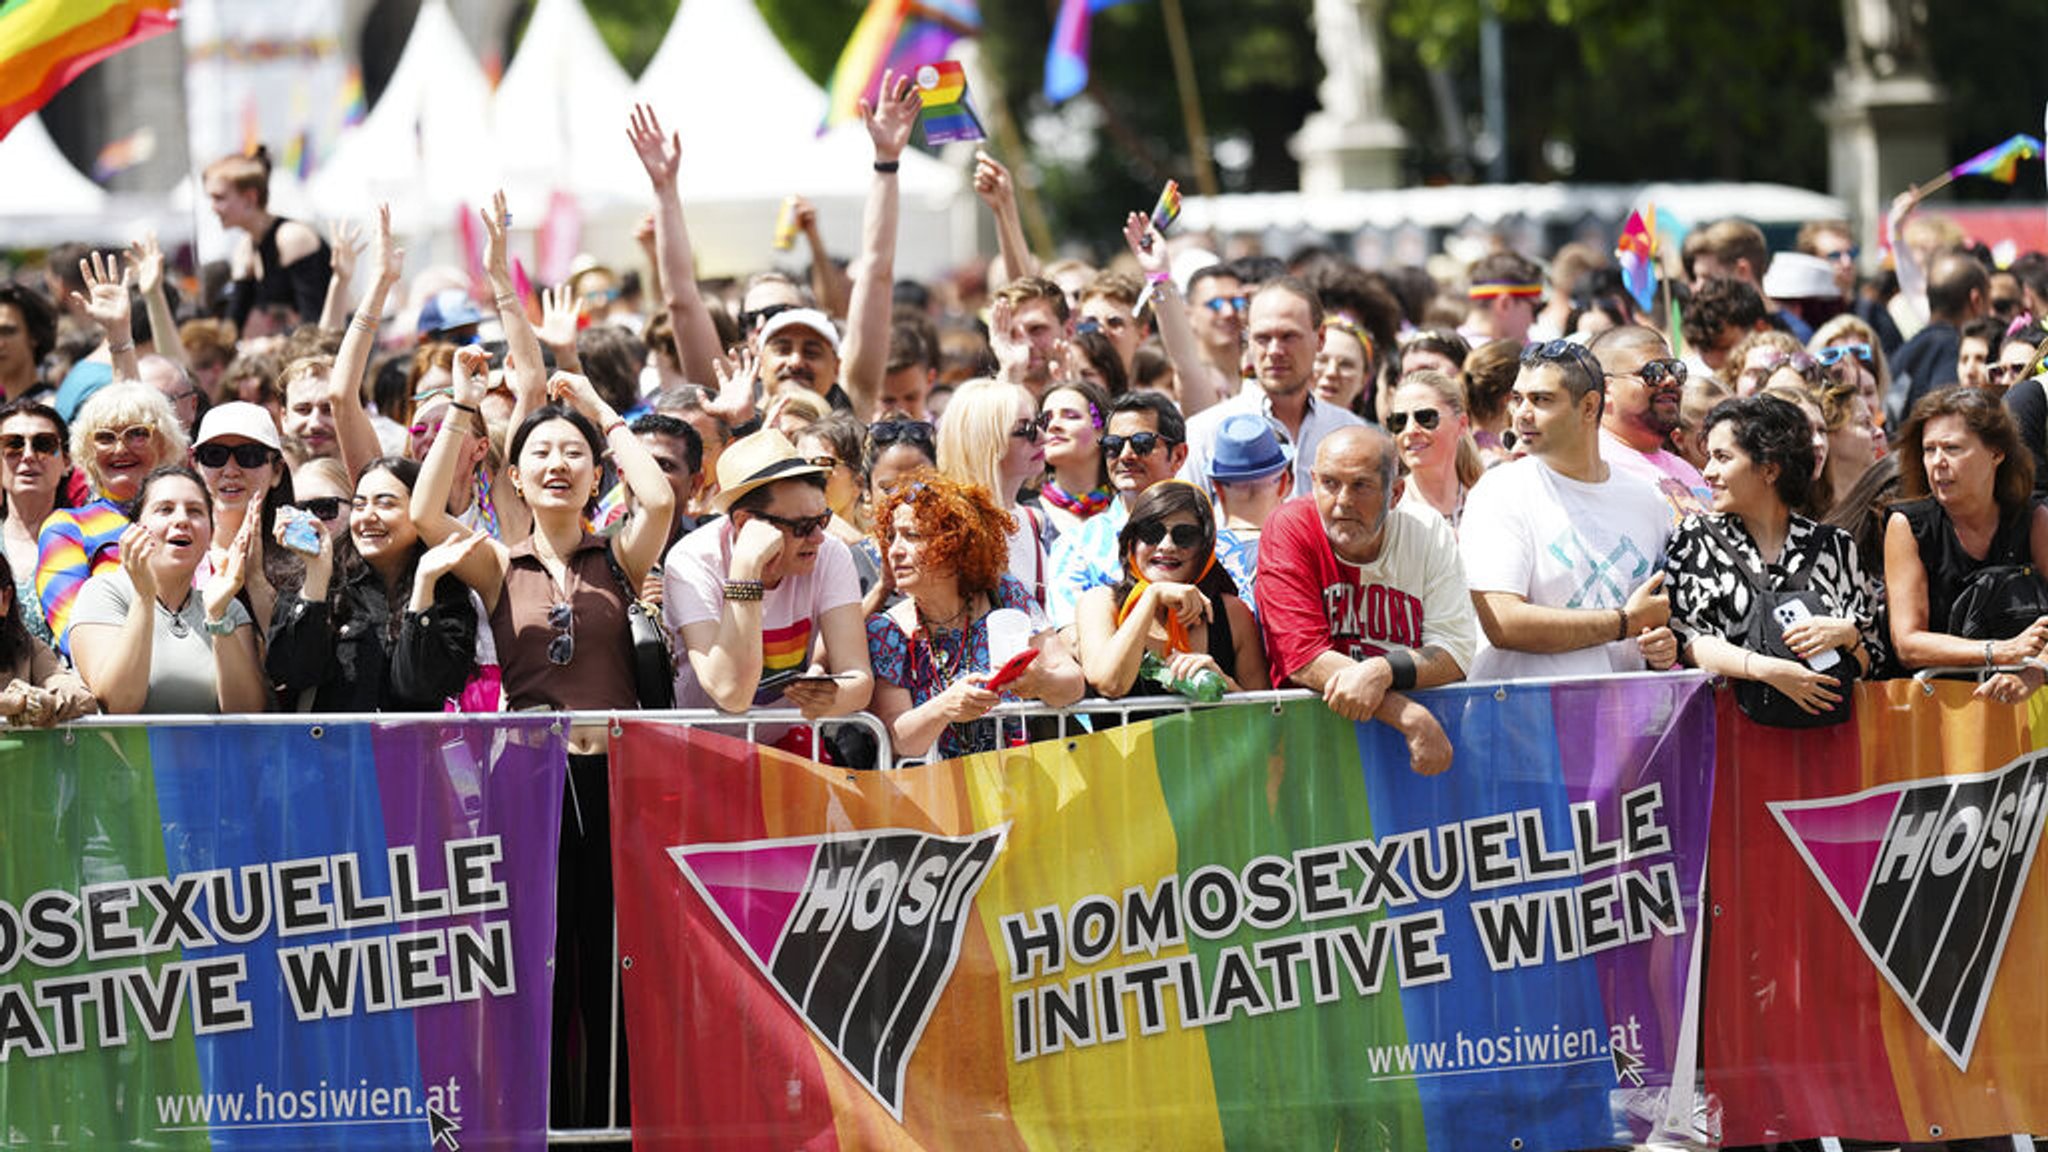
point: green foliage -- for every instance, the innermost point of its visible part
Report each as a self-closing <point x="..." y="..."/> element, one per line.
<point x="632" y="29"/>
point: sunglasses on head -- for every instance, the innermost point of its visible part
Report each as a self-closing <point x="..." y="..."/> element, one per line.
<point x="134" y="435"/>
<point x="562" y="648"/>
<point x="1151" y="532"/>
<point x="245" y="455"/>
<point x="890" y="431"/>
<point x="752" y="321"/>
<point x="1425" y="418"/>
<point x="800" y="526"/>
<point x="321" y="507"/>
<point x="1567" y="353"/>
<point x="1140" y="444"/>
<point x="1658" y="373"/>
<point x="41" y="443"/>
<point x="1833" y="354"/>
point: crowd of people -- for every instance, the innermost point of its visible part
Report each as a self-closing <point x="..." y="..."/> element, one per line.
<point x="841" y="491"/>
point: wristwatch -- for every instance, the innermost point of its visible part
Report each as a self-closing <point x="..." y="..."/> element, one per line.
<point x="225" y="626"/>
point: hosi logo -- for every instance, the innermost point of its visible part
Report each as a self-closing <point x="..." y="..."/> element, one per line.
<point x="1928" y="875"/>
<point x="858" y="932"/>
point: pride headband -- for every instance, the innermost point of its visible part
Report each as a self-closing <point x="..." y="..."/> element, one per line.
<point x="1507" y="288"/>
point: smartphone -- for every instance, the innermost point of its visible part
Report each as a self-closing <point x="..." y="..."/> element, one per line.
<point x="299" y="530"/>
<point x="1790" y="612"/>
<point x="1011" y="669"/>
<point x="780" y="679"/>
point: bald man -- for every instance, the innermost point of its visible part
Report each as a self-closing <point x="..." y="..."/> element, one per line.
<point x="1361" y="597"/>
<point x="1645" y="398"/>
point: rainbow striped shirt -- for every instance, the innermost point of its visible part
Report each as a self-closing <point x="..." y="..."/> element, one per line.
<point x="75" y="545"/>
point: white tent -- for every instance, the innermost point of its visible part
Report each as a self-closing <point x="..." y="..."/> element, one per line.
<point x="749" y="118"/>
<point x="425" y="147"/>
<point x="560" y="116"/>
<point x="44" y="199"/>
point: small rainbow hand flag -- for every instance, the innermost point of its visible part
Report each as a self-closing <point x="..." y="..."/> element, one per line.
<point x="947" y="115"/>
<point x="1167" y="210"/>
<point x="1636" y="252"/>
<point x="2000" y="163"/>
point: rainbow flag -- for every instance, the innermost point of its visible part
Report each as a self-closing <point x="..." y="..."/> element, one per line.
<point x="893" y="35"/>
<point x="1167" y="210"/>
<point x="353" y="106"/>
<point x="127" y="152"/>
<point x="1066" y="56"/>
<point x="2000" y="163"/>
<point x="947" y="114"/>
<point x="46" y="44"/>
<point x="1251" y="927"/>
<point x="1636" y="252"/>
<point x="321" y="936"/>
<point x="1883" y="893"/>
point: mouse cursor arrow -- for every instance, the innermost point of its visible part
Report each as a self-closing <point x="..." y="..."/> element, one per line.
<point x="442" y="1129"/>
<point x="1627" y="1066"/>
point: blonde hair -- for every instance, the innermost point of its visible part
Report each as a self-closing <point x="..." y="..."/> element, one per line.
<point x="974" y="435"/>
<point x="1849" y="328"/>
<point x="1451" y="391"/>
<point x="1731" y="369"/>
<point x="325" y="468"/>
<point x="122" y="406"/>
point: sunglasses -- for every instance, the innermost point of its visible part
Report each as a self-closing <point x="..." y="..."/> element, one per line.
<point x="799" y="527"/>
<point x="41" y="443"/>
<point x="1140" y="443"/>
<point x="751" y="321"/>
<point x="1998" y="374"/>
<point x="826" y="462"/>
<point x="1227" y="303"/>
<point x="321" y="507"/>
<point x="245" y="455"/>
<point x="1425" y="418"/>
<point x="1844" y="256"/>
<point x="1565" y="352"/>
<point x="1028" y="430"/>
<point x="1832" y="354"/>
<point x="890" y="431"/>
<point x="135" y="436"/>
<point x="562" y="648"/>
<point x="1657" y="373"/>
<point x="1151" y="532"/>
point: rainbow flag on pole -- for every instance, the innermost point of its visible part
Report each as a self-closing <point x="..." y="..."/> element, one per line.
<point x="45" y="44"/>
<point x="1066" y="56"/>
<point x="279" y="935"/>
<point x="894" y="35"/>
<point x="1251" y="927"/>
<point x="2000" y="163"/>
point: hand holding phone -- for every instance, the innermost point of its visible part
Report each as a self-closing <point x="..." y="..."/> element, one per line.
<point x="1011" y="669"/>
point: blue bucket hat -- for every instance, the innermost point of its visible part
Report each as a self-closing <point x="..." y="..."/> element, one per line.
<point x="1247" y="448"/>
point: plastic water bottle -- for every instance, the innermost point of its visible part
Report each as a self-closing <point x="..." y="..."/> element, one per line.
<point x="1204" y="687"/>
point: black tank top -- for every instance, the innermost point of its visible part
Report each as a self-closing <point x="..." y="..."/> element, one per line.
<point x="1949" y="568"/>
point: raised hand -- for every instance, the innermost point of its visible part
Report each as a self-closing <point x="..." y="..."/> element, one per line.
<point x="1146" y="244"/>
<point x="992" y="183"/>
<point x="138" y="547"/>
<point x="228" y="575"/>
<point x="736" y="374"/>
<point x="497" y="218"/>
<point x="643" y="234"/>
<point x="344" y="243"/>
<point x="106" y="296"/>
<point x="576" y="392"/>
<point x="471" y="371"/>
<point x="661" y="155"/>
<point x="146" y="258"/>
<point x="385" y="254"/>
<point x="444" y="557"/>
<point x="1012" y="354"/>
<point x="559" y="312"/>
<point x="890" y="121"/>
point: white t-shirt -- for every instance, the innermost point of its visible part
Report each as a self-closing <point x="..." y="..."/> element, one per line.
<point x="1560" y="543"/>
<point x="693" y="592"/>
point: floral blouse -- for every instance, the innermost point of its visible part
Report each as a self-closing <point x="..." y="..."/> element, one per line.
<point x="908" y="663"/>
<point x="1710" y="594"/>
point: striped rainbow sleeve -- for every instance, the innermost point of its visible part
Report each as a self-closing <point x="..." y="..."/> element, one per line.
<point x="75" y="545"/>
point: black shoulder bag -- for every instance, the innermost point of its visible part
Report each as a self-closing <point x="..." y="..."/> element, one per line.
<point x="1765" y="636"/>
<point x="654" y="662"/>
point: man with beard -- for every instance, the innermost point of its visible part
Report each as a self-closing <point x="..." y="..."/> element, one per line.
<point x="1361" y="597"/>
<point x="801" y="347"/>
<point x="1645" y="399"/>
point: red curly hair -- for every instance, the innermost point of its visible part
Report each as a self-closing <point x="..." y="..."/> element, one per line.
<point x="964" y="528"/>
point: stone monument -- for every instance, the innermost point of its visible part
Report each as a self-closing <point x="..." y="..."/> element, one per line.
<point x="1349" y="142"/>
<point x="1886" y="117"/>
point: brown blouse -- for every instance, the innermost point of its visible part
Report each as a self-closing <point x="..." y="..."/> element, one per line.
<point x="600" y="673"/>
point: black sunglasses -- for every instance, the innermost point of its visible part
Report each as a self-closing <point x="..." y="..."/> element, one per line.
<point x="1151" y="532"/>
<point x="1565" y="352"/>
<point x="799" y="527"/>
<point x="1425" y="418"/>
<point x="321" y="507"/>
<point x="246" y="455"/>
<point x="1141" y="444"/>
<point x="41" y="443"/>
<point x="1654" y="373"/>
<point x="562" y="648"/>
<point x="751" y="321"/>
<point x="1030" y="429"/>
<point x="890" y="431"/>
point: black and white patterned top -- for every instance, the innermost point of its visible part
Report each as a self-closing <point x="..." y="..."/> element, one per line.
<point x="1710" y="595"/>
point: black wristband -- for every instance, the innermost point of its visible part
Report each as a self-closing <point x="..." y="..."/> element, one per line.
<point x="1403" y="665"/>
<point x="886" y="166"/>
<point x="461" y="407"/>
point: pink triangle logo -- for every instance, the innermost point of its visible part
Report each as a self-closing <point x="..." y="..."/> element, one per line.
<point x="858" y="932"/>
<point x="1928" y="876"/>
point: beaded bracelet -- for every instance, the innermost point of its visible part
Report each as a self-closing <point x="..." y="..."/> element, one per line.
<point x="744" y="590"/>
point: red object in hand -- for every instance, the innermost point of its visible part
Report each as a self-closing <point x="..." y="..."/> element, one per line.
<point x="1011" y="669"/>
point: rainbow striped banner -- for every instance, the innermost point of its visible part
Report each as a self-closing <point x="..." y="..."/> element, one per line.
<point x="243" y="936"/>
<point x="1874" y="879"/>
<point x="1250" y="927"/>
<point x="45" y="44"/>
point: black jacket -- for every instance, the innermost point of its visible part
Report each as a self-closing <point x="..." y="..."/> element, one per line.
<point x="353" y="657"/>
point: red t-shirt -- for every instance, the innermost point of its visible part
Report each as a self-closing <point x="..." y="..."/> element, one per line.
<point x="1413" y="594"/>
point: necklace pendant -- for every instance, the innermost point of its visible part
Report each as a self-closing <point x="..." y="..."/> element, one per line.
<point x="179" y="628"/>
